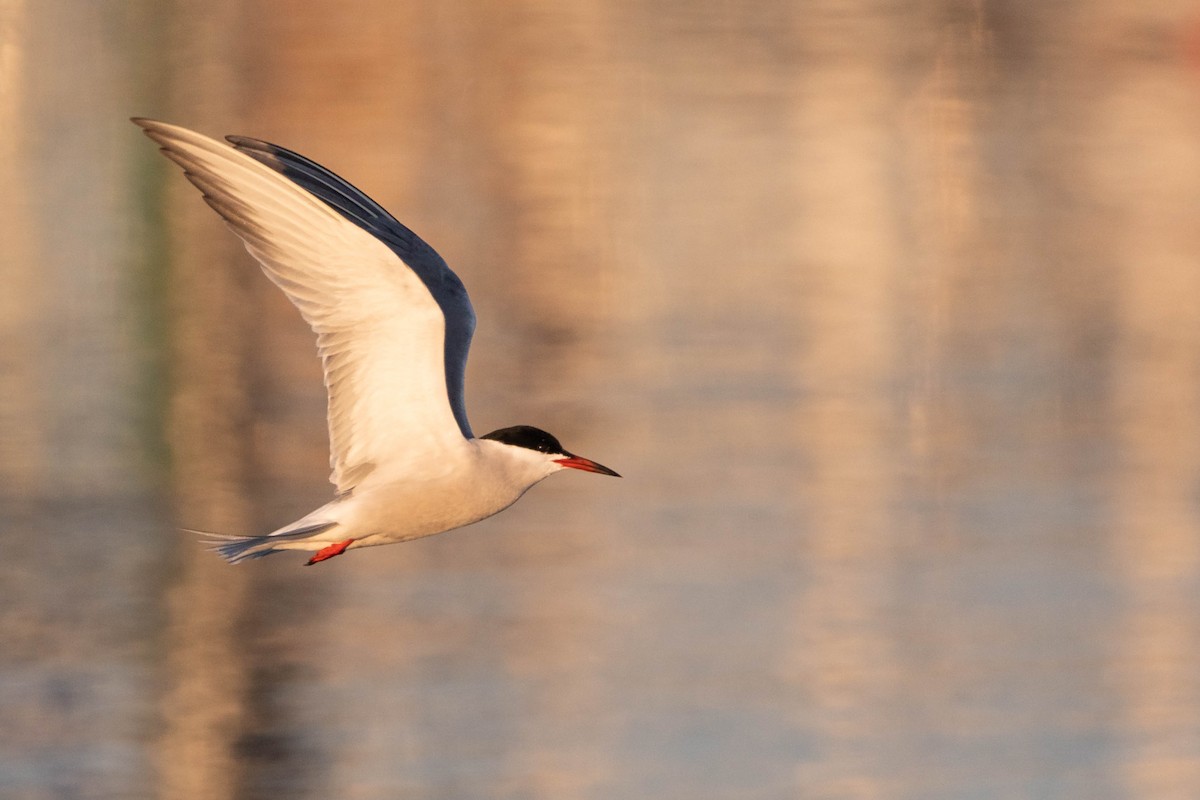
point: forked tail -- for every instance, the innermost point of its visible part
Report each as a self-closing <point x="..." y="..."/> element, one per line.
<point x="236" y="549"/>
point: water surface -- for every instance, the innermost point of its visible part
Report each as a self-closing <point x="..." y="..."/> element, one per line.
<point x="887" y="311"/>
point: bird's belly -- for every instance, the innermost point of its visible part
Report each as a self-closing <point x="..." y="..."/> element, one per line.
<point x="403" y="511"/>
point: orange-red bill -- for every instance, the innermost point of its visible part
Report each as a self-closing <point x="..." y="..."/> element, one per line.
<point x="586" y="464"/>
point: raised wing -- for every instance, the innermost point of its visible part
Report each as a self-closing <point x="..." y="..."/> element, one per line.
<point x="354" y="205"/>
<point x="380" y="331"/>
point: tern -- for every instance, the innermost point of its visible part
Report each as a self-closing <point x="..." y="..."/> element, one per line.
<point x="393" y="326"/>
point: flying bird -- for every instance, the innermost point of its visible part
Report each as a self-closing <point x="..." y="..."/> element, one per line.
<point x="393" y="326"/>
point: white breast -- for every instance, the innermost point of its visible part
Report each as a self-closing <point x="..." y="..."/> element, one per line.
<point x="482" y="479"/>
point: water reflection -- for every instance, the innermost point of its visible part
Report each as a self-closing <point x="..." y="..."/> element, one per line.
<point x="21" y="443"/>
<point x="1154" y="400"/>
<point x="886" y="311"/>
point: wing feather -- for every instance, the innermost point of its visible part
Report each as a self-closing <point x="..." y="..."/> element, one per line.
<point x="356" y="206"/>
<point x="380" y="332"/>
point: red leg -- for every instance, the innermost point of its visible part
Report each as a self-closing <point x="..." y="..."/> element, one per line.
<point x="329" y="552"/>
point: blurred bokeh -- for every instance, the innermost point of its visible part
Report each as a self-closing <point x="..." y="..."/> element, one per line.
<point x="888" y="311"/>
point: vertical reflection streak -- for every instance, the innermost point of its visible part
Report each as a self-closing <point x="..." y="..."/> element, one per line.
<point x="843" y="657"/>
<point x="203" y="703"/>
<point x="1156" y="394"/>
<point x="21" y="436"/>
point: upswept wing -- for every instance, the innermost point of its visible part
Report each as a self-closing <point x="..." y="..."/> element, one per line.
<point x="380" y="332"/>
<point x="353" y="204"/>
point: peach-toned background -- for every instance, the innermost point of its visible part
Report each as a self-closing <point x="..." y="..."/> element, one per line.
<point x="888" y="311"/>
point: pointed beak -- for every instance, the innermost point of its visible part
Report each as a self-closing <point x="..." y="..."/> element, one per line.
<point x="585" y="464"/>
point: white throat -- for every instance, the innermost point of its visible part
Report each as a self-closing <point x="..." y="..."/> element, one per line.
<point x="517" y="467"/>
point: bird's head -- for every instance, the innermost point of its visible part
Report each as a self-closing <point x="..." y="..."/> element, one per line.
<point x="541" y="448"/>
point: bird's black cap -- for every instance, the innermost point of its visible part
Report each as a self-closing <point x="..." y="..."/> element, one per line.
<point x="529" y="437"/>
<point x="536" y="439"/>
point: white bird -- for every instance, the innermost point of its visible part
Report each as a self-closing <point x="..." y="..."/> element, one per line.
<point x="393" y="327"/>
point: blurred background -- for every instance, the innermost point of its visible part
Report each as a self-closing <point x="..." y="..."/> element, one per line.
<point x="888" y="310"/>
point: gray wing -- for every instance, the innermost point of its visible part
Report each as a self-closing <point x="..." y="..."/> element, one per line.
<point x="380" y="332"/>
<point x="431" y="268"/>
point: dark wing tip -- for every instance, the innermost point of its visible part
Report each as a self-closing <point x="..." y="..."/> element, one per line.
<point x="248" y="142"/>
<point x="148" y="125"/>
<point x="157" y="130"/>
<point x="261" y="151"/>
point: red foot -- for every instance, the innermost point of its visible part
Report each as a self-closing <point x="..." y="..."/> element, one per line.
<point x="329" y="552"/>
